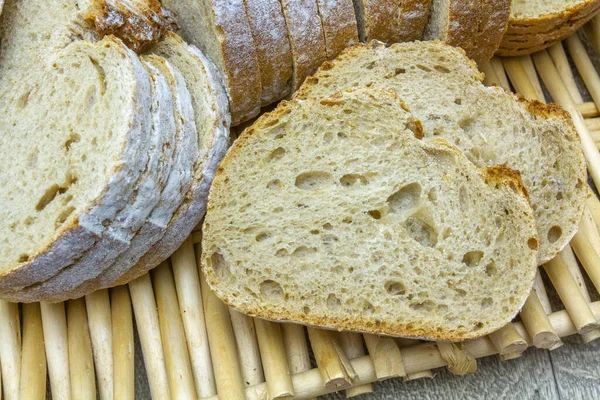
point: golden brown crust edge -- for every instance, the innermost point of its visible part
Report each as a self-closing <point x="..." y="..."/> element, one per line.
<point x="549" y="22"/>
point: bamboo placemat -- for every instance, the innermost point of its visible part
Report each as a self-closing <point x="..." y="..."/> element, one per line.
<point x="194" y="346"/>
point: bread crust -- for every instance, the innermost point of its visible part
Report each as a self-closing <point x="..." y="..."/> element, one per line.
<point x="492" y="27"/>
<point x="272" y="48"/>
<point x="339" y="25"/>
<point x="463" y="25"/>
<point x="393" y="21"/>
<point x="551" y="21"/>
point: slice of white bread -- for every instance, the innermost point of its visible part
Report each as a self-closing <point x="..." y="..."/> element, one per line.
<point x="391" y="21"/>
<point x="220" y="29"/>
<point x="443" y="89"/>
<point x="455" y="22"/>
<point x="161" y="235"/>
<point x="78" y="169"/>
<point x="339" y="25"/>
<point x="333" y="212"/>
<point x="272" y="48"/>
<point x="307" y="39"/>
<point x="154" y="183"/>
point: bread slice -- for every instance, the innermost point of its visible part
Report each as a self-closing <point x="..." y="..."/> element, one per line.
<point x="529" y="16"/>
<point x="156" y="180"/>
<point x="455" y="23"/>
<point x="307" y="39"/>
<point x="493" y="23"/>
<point x="391" y="21"/>
<point x="272" y="48"/>
<point x="443" y="89"/>
<point x="348" y="220"/>
<point x="74" y="182"/>
<point x="339" y="25"/>
<point x="220" y="29"/>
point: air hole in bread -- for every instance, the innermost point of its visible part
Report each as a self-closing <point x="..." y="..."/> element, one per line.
<point x="375" y="214"/>
<point x="463" y="198"/>
<point x="395" y="288"/>
<point x="423" y="68"/>
<point x="329" y="239"/>
<point x="306" y="310"/>
<point x="303" y="251"/>
<point x="491" y="269"/>
<point x="342" y="135"/>
<point x="478" y="326"/>
<point x="73" y="138"/>
<point x="442" y="69"/>
<point x="559" y="196"/>
<point x="533" y="244"/>
<point x="472" y="258"/>
<point x="63" y="216"/>
<point x="370" y="65"/>
<point x="23" y="258"/>
<point x="425" y="306"/>
<point x="579" y="184"/>
<point x="368" y="308"/>
<point x="282" y="253"/>
<point x="275" y="184"/>
<point x="327" y="226"/>
<point x="404" y="199"/>
<point x="313" y="180"/>
<point x="23" y="100"/>
<point x="262" y="236"/>
<point x="271" y="290"/>
<point x="276" y="154"/>
<point x="466" y="124"/>
<point x="219" y="265"/>
<point x="458" y="101"/>
<point x="353" y="180"/>
<point x="49" y="195"/>
<point x="421" y="231"/>
<point x="333" y="302"/>
<point x="554" y="234"/>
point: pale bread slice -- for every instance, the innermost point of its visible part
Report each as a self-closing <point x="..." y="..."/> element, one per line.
<point x="339" y="25"/>
<point x="391" y="21"/>
<point x="348" y="220"/>
<point x="220" y="29"/>
<point x="272" y="48"/>
<point x="456" y="23"/>
<point x="444" y="89"/>
<point x="81" y="176"/>
<point x="154" y="182"/>
<point x="307" y="38"/>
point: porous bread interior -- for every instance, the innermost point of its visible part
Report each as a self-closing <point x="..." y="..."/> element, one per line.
<point x="326" y="213"/>
<point x="443" y="89"/>
<point x="61" y="159"/>
<point x="438" y="25"/>
<point x="537" y="9"/>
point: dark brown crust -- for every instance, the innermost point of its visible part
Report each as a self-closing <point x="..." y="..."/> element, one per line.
<point x="137" y="28"/>
<point x="492" y="27"/>
<point x="393" y="21"/>
<point x="464" y="15"/>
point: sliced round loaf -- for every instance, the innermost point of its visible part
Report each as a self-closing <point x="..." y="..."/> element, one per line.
<point x="222" y="31"/>
<point x="339" y="25"/>
<point x="391" y="21"/>
<point x="272" y="48"/>
<point x="74" y="181"/>
<point x="148" y="193"/>
<point x="334" y="212"/>
<point x="307" y="39"/>
<point x="443" y="89"/>
<point x="493" y="23"/>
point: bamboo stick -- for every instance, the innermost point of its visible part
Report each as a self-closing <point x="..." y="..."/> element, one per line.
<point x="592" y="30"/>
<point x="529" y="68"/>
<point x="593" y="204"/>
<point x="296" y="348"/>
<point x="588" y="110"/>
<point x="148" y="327"/>
<point x="417" y="358"/>
<point x="187" y="282"/>
<point x="123" y="351"/>
<point x="403" y="342"/>
<point x="179" y="370"/>
<point x="352" y="345"/>
<point x="272" y="351"/>
<point x="33" y="365"/>
<point x="585" y="67"/>
<point x="386" y="356"/>
<point x="496" y="64"/>
<point x="559" y="57"/>
<point x="228" y="376"/>
<point x="247" y="345"/>
<point x="519" y="78"/>
<point x="509" y="342"/>
<point x="538" y="325"/>
<point x="593" y="125"/>
<point x="81" y="360"/>
<point x="331" y="359"/>
<point x="456" y="356"/>
<point x="99" y="321"/>
<point x="588" y="257"/>
<point x="54" y="323"/>
<point x="570" y="295"/>
<point x="588" y="227"/>
<point x="560" y="94"/>
<point x="540" y="290"/>
<point x="490" y="76"/>
<point x="10" y="348"/>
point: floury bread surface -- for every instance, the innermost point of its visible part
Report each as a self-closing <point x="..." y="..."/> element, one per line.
<point x="334" y="212"/>
<point x="443" y="89"/>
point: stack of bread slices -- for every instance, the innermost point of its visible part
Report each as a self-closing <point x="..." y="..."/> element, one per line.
<point x="111" y="151"/>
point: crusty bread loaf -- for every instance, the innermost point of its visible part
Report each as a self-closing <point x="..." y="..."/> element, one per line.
<point x="333" y="212"/>
<point x="220" y="28"/>
<point x="443" y="89"/>
<point x="391" y="21"/>
<point x="154" y="182"/>
<point x="493" y="23"/>
<point x="534" y="26"/>
<point x="74" y="182"/>
<point x="339" y="25"/>
<point x="272" y="48"/>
